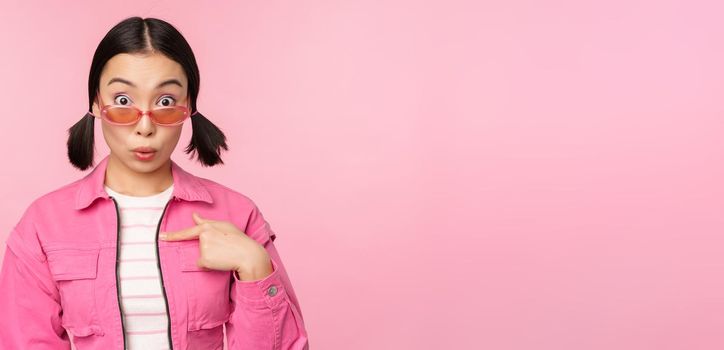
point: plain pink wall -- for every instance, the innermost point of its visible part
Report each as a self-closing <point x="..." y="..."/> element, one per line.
<point x="450" y="174"/>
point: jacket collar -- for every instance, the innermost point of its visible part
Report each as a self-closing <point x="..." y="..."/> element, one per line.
<point x="185" y="186"/>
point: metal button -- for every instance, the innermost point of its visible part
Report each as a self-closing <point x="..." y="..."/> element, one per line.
<point x="272" y="291"/>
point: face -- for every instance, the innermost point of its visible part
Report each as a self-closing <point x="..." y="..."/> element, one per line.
<point x="138" y="80"/>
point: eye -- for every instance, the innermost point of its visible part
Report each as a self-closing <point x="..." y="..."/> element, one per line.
<point x="121" y="100"/>
<point x="167" y="98"/>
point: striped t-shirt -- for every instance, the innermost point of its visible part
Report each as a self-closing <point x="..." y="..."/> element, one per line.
<point x="142" y="302"/>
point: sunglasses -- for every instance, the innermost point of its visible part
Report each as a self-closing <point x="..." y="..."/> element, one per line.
<point x="129" y="115"/>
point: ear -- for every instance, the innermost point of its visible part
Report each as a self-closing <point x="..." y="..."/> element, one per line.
<point x="96" y="107"/>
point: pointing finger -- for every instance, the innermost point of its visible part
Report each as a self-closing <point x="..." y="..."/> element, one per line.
<point x="187" y="233"/>
<point x="199" y="220"/>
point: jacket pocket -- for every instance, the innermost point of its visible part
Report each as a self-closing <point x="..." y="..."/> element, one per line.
<point x="75" y="271"/>
<point x="207" y="290"/>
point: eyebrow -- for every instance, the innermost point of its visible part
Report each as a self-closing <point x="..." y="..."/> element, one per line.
<point x="163" y="83"/>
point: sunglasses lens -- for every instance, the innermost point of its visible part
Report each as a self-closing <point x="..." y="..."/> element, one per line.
<point x="121" y="115"/>
<point x="169" y="115"/>
<point x="163" y="116"/>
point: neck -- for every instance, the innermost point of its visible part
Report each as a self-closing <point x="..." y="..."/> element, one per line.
<point x="132" y="182"/>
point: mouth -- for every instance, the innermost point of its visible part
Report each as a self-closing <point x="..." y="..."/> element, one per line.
<point x="144" y="149"/>
<point x="144" y="153"/>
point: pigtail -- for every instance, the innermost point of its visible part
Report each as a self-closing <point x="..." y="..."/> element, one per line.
<point x="207" y="140"/>
<point x="81" y="143"/>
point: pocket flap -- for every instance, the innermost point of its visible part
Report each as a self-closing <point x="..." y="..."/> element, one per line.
<point x="73" y="264"/>
<point x="208" y="323"/>
<point x="85" y="330"/>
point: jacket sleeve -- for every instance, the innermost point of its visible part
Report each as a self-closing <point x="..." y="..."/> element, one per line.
<point x="266" y="312"/>
<point x="29" y="299"/>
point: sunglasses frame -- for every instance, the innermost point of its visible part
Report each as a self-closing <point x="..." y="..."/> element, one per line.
<point x="140" y="113"/>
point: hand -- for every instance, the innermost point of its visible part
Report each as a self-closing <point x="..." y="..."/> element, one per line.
<point x="225" y="247"/>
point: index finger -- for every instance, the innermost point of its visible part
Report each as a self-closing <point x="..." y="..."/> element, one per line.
<point x="187" y="233"/>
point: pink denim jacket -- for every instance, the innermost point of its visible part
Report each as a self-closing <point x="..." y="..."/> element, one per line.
<point x="59" y="274"/>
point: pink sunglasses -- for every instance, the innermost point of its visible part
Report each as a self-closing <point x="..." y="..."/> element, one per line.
<point x="129" y="115"/>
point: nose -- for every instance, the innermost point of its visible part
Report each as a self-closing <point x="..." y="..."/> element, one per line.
<point x="145" y="126"/>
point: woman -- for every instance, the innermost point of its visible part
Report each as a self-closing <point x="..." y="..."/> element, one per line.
<point x="140" y="254"/>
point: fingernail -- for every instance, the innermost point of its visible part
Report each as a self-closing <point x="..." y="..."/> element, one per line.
<point x="162" y="236"/>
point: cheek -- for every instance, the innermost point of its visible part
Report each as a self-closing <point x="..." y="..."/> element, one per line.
<point x="115" y="137"/>
<point x="170" y="137"/>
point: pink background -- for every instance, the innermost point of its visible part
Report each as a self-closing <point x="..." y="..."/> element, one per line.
<point x="450" y="174"/>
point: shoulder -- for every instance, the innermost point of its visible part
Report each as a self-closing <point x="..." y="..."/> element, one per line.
<point x="24" y="239"/>
<point x="227" y="194"/>
<point x="52" y="202"/>
<point x="63" y="196"/>
<point x="59" y="197"/>
<point x="250" y="216"/>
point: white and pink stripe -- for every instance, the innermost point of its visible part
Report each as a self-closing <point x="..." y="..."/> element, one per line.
<point x="144" y="308"/>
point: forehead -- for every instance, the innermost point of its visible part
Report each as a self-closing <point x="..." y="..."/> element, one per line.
<point x="145" y="71"/>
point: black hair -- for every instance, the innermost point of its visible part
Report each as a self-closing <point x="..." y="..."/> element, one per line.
<point x="136" y="35"/>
